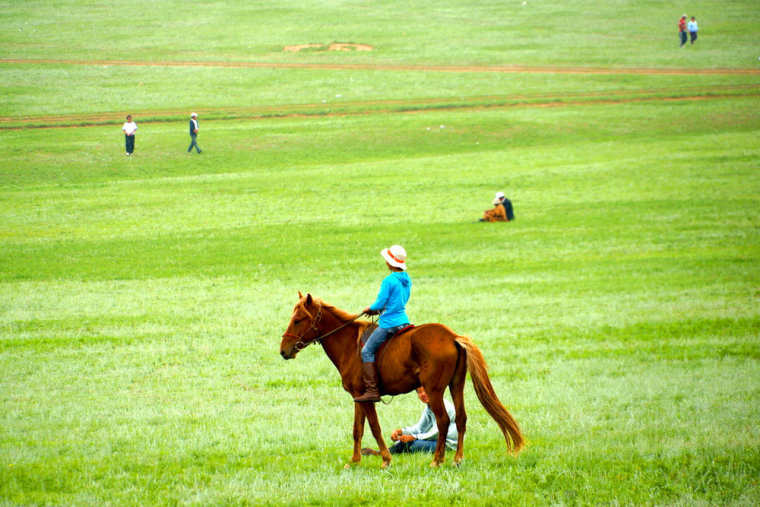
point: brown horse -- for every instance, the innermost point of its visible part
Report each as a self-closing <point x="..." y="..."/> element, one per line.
<point x="430" y="355"/>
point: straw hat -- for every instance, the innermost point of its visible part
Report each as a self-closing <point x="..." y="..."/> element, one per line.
<point x="395" y="256"/>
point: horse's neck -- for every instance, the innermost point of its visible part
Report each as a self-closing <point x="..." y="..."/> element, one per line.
<point x="341" y="347"/>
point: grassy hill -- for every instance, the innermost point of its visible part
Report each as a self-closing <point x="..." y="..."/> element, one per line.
<point x="142" y="299"/>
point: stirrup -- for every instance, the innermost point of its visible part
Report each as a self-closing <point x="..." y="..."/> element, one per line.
<point x="368" y="396"/>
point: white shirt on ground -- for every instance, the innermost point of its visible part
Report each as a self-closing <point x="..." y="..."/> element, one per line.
<point x="427" y="427"/>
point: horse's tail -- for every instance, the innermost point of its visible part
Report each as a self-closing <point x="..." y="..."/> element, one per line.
<point x="476" y="364"/>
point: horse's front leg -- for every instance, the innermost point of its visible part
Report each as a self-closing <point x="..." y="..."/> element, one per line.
<point x="374" y="425"/>
<point x="358" y="433"/>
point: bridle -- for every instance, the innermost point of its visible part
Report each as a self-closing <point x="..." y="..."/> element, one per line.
<point x="301" y="344"/>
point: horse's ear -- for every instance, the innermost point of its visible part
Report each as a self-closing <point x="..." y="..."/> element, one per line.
<point x="300" y="296"/>
<point x="308" y="299"/>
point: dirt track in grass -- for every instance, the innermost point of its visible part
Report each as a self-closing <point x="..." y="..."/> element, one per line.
<point x="333" y="110"/>
<point x="528" y="69"/>
<point x="414" y="105"/>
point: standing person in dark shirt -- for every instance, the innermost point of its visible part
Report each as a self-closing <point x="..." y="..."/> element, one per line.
<point x="682" y="29"/>
<point x="193" y="133"/>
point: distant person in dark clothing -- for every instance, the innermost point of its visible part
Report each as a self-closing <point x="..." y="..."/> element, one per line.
<point x="682" y="29"/>
<point x="693" y="28"/>
<point x="193" y="133"/>
<point x="507" y="206"/>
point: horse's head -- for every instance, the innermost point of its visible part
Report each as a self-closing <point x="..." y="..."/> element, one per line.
<point x="303" y="327"/>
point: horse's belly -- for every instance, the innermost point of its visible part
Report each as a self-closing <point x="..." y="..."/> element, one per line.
<point x="398" y="373"/>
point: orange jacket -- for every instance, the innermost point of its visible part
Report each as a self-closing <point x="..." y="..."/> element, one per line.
<point x="495" y="214"/>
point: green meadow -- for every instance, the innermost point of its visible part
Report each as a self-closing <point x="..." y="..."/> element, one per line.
<point x="143" y="298"/>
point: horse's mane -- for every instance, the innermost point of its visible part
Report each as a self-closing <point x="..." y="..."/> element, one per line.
<point x="337" y="312"/>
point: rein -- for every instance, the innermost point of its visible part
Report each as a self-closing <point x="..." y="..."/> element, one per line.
<point x="301" y="344"/>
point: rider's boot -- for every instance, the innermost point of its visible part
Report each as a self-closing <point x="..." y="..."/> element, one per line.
<point x="369" y="379"/>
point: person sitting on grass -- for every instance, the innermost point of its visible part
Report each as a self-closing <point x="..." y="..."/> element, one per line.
<point x="502" y="210"/>
<point x="422" y="437"/>
<point x="496" y="214"/>
<point x="507" y="206"/>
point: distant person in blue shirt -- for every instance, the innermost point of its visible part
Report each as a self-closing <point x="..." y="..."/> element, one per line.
<point x="391" y="305"/>
<point x="693" y="28"/>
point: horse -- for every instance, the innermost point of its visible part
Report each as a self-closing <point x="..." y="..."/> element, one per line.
<point x="429" y="355"/>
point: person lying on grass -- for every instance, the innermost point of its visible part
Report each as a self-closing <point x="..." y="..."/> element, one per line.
<point x="422" y="436"/>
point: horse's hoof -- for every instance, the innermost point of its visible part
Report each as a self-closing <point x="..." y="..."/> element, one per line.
<point x="385" y="464"/>
<point x="434" y="464"/>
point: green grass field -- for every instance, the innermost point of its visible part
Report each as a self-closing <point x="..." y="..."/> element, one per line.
<point x="142" y="299"/>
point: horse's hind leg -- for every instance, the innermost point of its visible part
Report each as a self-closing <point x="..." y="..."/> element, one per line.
<point x="456" y="387"/>
<point x="442" y="420"/>
<point x="374" y="425"/>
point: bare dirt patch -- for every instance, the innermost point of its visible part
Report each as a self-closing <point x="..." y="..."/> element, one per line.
<point x="333" y="46"/>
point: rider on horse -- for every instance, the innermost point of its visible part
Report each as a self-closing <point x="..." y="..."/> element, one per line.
<point x="390" y="303"/>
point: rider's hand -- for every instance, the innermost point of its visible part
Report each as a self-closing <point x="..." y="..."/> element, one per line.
<point x="407" y="438"/>
<point x="367" y="311"/>
<point x="396" y="434"/>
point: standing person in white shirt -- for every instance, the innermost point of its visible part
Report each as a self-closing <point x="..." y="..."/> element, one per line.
<point x="692" y="27"/>
<point x="129" y="130"/>
<point x="193" y="133"/>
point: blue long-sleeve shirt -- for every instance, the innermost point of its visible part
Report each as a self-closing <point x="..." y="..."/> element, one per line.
<point x="392" y="298"/>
